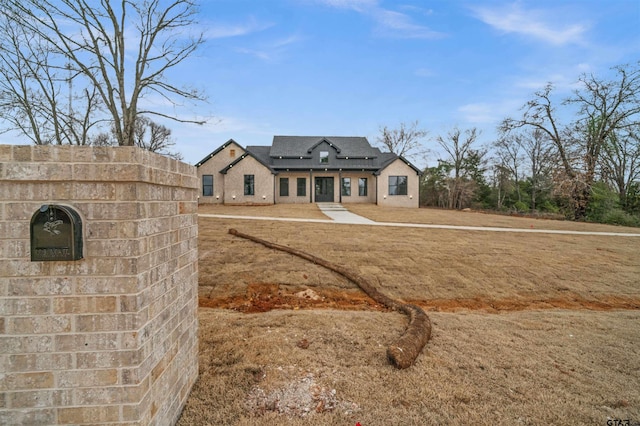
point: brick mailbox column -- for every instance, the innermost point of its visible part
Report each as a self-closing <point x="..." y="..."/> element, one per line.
<point x="110" y="337"/>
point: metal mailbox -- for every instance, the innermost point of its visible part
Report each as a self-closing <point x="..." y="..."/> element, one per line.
<point x="56" y="234"/>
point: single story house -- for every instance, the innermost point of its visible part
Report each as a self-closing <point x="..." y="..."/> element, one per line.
<point x="307" y="169"/>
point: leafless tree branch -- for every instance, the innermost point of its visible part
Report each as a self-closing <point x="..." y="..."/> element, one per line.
<point x="115" y="54"/>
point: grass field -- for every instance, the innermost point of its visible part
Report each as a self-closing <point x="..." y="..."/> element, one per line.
<point x="527" y="328"/>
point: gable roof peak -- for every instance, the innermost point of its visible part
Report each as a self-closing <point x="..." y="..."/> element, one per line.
<point x="217" y="150"/>
<point x="258" y="153"/>
<point x="324" y="140"/>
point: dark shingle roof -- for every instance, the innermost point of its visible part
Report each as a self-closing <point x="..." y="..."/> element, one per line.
<point x="388" y="157"/>
<point x="260" y="153"/>
<point x="301" y="146"/>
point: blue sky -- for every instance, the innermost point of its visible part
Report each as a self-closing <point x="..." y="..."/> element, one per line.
<point x="348" y="67"/>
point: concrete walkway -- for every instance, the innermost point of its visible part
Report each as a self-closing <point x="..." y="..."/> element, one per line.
<point x="339" y="214"/>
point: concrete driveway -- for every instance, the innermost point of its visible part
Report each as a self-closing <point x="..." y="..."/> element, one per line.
<point x="340" y="215"/>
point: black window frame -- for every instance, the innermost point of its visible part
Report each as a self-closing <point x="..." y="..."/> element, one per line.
<point x="363" y="190"/>
<point x="397" y="187"/>
<point x="249" y="185"/>
<point x="284" y="186"/>
<point x="345" y="190"/>
<point x="301" y="187"/>
<point x="207" y="186"/>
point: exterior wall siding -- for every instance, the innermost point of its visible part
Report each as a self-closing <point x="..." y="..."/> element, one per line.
<point x="212" y="167"/>
<point x="355" y="197"/>
<point x="398" y="168"/>
<point x="263" y="183"/>
<point x="293" y="198"/>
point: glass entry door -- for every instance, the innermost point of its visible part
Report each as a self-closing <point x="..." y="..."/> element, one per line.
<point x="324" y="190"/>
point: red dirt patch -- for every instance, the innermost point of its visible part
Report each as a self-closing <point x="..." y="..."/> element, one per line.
<point x="263" y="297"/>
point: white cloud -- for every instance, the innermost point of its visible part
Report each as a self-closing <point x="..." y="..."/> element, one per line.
<point x="284" y="42"/>
<point x="424" y="72"/>
<point x="564" y="80"/>
<point x="218" y="30"/>
<point x="389" y="23"/>
<point x="533" y="23"/>
<point x="260" y="54"/>
<point x="359" y="5"/>
<point x="479" y="113"/>
<point x="488" y="113"/>
<point x="273" y="50"/>
<point x="401" y="25"/>
<point x="416" y="9"/>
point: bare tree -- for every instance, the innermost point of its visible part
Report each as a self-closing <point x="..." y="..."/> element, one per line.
<point x="34" y="94"/>
<point x="148" y="135"/>
<point x="604" y="107"/>
<point x="621" y="162"/>
<point x="540" y="162"/>
<point x="154" y="137"/>
<point x="502" y="182"/>
<point x="525" y="153"/>
<point x="116" y="53"/>
<point x="540" y="114"/>
<point x="508" y="151"/>
<point x="405" y="141"/>
<point x="459" y="147"/>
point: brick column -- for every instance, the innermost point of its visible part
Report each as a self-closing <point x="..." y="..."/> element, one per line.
<point x="112" y="337"/>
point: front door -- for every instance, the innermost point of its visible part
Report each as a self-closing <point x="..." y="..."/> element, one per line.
<point x="324" y="190"/>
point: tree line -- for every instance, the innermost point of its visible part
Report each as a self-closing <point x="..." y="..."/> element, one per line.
<point x="578" y="157"/>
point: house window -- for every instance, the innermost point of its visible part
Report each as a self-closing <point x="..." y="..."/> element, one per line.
<point x="362" y="187"/>
<point x="232" y="153"/>
<point x="301" y="187"/>
<point x="249" y="188"/>
<point x="284" y="187"/>
<point x="397" y="185"/>
<point x="207" y="185"/>
<point x="346" y="187"/>
<point x="324" y="157"/>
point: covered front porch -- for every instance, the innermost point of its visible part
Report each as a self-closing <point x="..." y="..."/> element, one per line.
<point x="325" y="187"/>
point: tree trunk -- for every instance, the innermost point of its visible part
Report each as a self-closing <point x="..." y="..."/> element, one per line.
<point x="402" y="353"/>
<point x="533" y="197"/>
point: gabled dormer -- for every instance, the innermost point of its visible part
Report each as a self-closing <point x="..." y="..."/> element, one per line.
<point x="324" y="141"/>
<point x="324" y="152"/>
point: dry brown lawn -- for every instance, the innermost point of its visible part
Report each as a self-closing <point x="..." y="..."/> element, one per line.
<point x="527" y="328"/>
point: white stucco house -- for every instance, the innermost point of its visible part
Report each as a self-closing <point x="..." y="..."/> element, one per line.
<point x="307" y="169"/>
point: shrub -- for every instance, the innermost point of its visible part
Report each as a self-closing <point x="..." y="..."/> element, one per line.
<point x="548" y="206"/>
<point x="521" y="206"/>
<point x="620" y="217"/>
